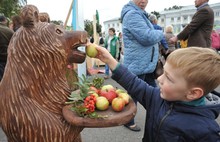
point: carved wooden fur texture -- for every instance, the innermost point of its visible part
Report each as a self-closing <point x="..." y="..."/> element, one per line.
<point x="34" y="87"/>
<point x="44" y="17"/>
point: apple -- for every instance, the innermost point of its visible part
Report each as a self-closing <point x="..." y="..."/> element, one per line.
<point x="109" y="94"/>
<point x="125" y="97"/>
<point x="95" y="94"/>
<point x="93" y="89"/>
<point x="118" y="91"/>
<point x="101" y="103"/>
<point x="91" y="50"/>
<point x="107" y="87"/>
<point x="118" y="104"/>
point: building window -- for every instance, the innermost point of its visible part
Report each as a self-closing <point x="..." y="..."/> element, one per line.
<point x="162" y="20"/>
<point x="172" y="19"/>
<point x="184" y="18"/>
<point x="117" y="24"/>
<point x="217" y="14"/>
<point x="108" y="25"/>
<point x="178" y="18"/>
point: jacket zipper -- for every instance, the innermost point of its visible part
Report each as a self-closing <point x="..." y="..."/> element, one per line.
<point x="162" y="120"/>
<point x="152" y="56"/>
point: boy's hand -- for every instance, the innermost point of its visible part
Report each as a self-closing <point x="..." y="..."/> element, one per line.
<point x="106" y="57"/>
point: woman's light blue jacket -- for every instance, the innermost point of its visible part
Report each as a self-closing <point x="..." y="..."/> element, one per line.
<point x="141" y="51"/>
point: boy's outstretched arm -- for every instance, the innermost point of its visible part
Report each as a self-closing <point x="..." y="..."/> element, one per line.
<point x="106" y="57"/>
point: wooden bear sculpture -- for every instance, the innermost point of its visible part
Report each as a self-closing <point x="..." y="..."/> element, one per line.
<point x="34" y="87"/>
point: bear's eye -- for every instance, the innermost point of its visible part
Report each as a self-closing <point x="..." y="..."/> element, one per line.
<point x="58" y="31"/>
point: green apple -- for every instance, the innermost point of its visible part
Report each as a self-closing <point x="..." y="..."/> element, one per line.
<point x="107" y="88"/>
<point x="91" y="50"/>
<point x="118" y="91"/>
<point x="102" y="103"/>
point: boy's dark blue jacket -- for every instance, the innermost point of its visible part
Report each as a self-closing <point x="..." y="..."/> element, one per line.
<point x="171" y="121"/>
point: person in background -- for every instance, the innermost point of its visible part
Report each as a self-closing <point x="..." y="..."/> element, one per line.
<point x="154" y="21"/>
<point x="198" y="31"/>
<point x="91" y="39"/>
<point x="112" y="45"/>
<point x="215" y="40"/>
<point x="121" y="49"/>
<point x="120" y="39"/>
<point x="5" y="37"/>
<point x="182" y="109"/>
<point x="169" y="34"/>
<point x="141" y="51"/>
<point x="101" y="40"/>
<point x="16" y="22"/>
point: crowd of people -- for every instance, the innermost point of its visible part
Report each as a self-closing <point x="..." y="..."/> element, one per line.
<point x="7" y="29"/>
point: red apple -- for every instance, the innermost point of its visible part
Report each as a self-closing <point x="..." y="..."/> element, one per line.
<point x="93" y="89"/>
<point x="101" y="103"/>
<point x="91" y="50"/>
<point x="110" y="95"/>
<point x="125" y="97"/>
<point x="118" y="104"/>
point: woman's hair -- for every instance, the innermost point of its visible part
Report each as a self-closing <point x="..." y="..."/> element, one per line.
<point x="169" y="29"/>
<point x="199" y="66"/>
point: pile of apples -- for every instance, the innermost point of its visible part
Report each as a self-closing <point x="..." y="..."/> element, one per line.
<point x="108" y="95"/>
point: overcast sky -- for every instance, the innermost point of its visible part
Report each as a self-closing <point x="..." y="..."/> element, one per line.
<point x="108" y="9"/>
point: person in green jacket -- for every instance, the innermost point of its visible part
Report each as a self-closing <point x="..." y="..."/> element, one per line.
<point x="112" y="45"/>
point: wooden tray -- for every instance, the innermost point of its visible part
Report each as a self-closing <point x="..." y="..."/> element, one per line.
<point x="113" y="119"/>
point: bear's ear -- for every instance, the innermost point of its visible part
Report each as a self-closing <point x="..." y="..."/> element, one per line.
<point x="30" y="16"/>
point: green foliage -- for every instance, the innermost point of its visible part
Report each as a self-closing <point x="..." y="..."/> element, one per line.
<point x="59" y="22"/>
<point x="77" y="98"/>
<point x="83" y="86"/>
<point x="11" y="7"/>
<point x="156" y="13"/>
<point x="173" y="8"/>
<point x="89" y="27"/>
<point x="98" y="82"/>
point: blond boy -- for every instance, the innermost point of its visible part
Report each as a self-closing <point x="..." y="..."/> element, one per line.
<point x="182" y="109"/>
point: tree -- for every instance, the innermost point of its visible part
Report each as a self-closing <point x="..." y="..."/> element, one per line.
<point x="59" y="22"/>
<point x="173" y="8"/>
<point x="156" y="14"/>
<point x="89" y="27"/>
<point x="11" y="7"/>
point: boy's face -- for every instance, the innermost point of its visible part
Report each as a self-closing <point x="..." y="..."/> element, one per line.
<point x="173" y="86"/>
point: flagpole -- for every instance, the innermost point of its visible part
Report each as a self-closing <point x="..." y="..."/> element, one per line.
<point x="68" y="15"/>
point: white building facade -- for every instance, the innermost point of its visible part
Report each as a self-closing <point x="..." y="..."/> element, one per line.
<point x="180" y="17"/>
<point x="113" y="23"/>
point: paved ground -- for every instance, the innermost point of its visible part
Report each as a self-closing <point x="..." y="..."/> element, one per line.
<point x="111" y="134"/>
